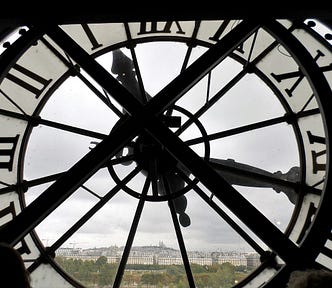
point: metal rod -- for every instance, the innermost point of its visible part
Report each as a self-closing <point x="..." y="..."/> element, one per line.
<point x="77" y="73"/>
<point x="179" y="236"/>
<point x="250" y="127"/>
<point x="131" y="236"/>
<point x="208" y="104"/>
<point x="57" y="244"/>
<point x="39" y="121"/>
<point x="30" y="183"/>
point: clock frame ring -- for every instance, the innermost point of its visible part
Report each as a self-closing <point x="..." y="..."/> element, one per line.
<point x="313" y="73"/>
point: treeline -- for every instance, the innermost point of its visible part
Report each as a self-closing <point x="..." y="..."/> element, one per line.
<point x="100" y="274"/>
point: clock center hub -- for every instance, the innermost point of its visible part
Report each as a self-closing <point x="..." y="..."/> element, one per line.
<point x="149" y="154"/>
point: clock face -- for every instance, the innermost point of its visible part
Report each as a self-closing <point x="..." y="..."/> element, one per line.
<point x="206" y="137"/>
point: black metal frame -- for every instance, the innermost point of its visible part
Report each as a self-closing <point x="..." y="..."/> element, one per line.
<point x="146" y="117"/>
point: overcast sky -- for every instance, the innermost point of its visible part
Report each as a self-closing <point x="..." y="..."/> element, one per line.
<point x="52" y="150"/>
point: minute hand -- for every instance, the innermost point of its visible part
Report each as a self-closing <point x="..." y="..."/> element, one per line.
<point x="241" y="174"/>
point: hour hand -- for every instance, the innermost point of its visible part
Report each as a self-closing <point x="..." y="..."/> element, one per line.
<point x="124" y="68"/>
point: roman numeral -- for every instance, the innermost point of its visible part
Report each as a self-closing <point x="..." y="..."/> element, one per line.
<point x="316" y="155"/>
<point x="153" y="27"/>
<point x="327" y="251"/>
<point x="311" y="212"/>
<point x="36" y="84"/>
<point x="298" y="75"/>
<point x="10" y="211"/>
<point x="220" y="30"/>
<point x="91" y="37"/>
<point x="216" y="37"/>
<point x="7" y="150"/>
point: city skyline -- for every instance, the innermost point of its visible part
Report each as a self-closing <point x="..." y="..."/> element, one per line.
<point x="161" y="255"/>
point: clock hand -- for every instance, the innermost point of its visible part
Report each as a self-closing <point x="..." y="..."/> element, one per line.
<point x="245" y="175"/>
<point x="124" y="68"/>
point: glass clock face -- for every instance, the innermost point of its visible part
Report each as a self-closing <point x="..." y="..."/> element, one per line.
<point x="166" y="143"/>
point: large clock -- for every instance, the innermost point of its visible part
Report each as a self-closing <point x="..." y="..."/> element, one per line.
<point x="195" y="133"/>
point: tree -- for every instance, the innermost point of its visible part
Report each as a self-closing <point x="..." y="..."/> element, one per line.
<point x="101" y="261"/>
<point x="106" y="275"/>
<point x="225" y="276"/>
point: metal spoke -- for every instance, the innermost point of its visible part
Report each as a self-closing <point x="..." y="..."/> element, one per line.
<point x="179" y="236"/>
<point x="230" y="197"/>
<point x="71" y="129"/>
<point x="248" y="66"/>
<point x="105" y="199"/>
<point x="26" y="184"/>
<point x="67" y="183"/>
<point x="190" y="46"/>
<point x="143" y="95"/>
<point x="222" y="214"/>
<point x="246" y="237"/>
<point x="251" y="48"/>
<point x="39" y="121"/>
<point x="75" y="70"/>
<point x="288" y="118"/>
<point x="208" y="104"/>
<point x="100" y="95"/>
<point x="131" y="236"/>
<point x="91" y="192"/>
